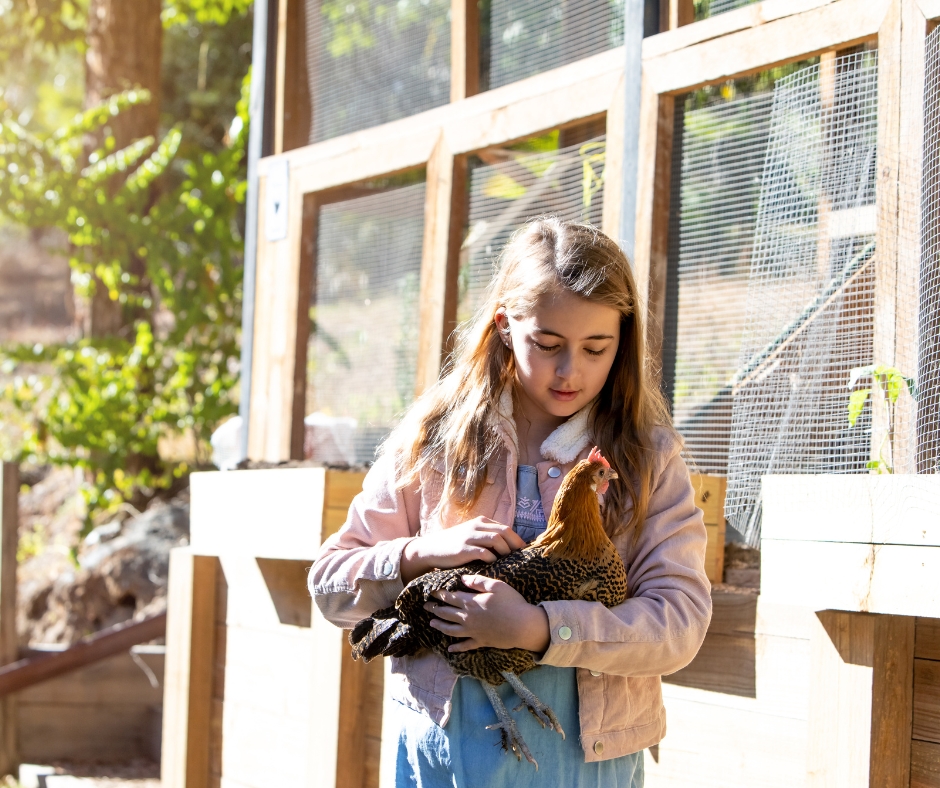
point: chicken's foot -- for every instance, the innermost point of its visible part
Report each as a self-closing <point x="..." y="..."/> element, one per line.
<point x="512" y="739"/>
<point x="542" y="712"/>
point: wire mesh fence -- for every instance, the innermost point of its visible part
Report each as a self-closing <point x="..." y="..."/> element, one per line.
<point x="509" y="187"/>
<point x="928" y="298"/>
<point x="810" y="299"/>
<point x="531" y="36"/>
<point x="721" y="153"/>
<point x="370" y="62"/>
<point x="363" y="346"/>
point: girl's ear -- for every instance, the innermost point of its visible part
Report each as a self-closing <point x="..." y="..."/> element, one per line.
<point x="501" y="319"/>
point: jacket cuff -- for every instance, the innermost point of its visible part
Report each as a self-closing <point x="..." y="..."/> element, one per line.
<point x="565" y="633"/>
<point x="384" y="566"/>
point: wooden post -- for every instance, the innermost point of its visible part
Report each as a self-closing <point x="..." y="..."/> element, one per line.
<point x="294" y="89"/>
<point x="190" y="651"/>
<point x="681" y="13"/>
<point x="464" y="49"/>
<point x="9" y="539"/>
<point x="842" y="646"/>
<point x="892" y="701"/>
<point x="445" y="210"/>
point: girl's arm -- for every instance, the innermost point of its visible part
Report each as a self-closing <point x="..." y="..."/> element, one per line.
<point x="357" y="570"/>
<point x="364" y="566"/>
<point x="660" y="628"/>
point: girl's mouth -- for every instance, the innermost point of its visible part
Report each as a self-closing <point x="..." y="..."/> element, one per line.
<point x="563" y="396"/>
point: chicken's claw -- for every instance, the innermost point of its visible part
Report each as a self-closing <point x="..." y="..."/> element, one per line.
<point x="512" y="740"/>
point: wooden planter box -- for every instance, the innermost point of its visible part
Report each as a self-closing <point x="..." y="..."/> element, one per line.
<point x="260" y="691"/>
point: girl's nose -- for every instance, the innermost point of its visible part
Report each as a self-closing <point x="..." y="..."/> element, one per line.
<point x="565" y="368"/>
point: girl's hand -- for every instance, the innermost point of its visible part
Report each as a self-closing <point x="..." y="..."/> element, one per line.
<point x="492" y="614"/>
<point x="479" y="539"/>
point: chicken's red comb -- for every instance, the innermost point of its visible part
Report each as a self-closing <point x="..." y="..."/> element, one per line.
<point x="595" y="456"/>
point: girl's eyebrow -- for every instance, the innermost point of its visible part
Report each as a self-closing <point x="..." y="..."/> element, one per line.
<point x="549" y="332"/>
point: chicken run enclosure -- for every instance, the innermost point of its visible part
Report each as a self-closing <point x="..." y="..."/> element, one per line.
<point x="786" y="249"/>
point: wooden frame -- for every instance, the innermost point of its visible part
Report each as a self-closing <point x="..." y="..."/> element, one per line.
<point x="733" y="44"/>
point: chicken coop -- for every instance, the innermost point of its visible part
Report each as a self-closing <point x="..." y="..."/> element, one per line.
<point x="786" y="241"/>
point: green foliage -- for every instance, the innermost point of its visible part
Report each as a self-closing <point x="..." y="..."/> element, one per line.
<point x="168" y="249"/>
<point x="216" y="12"/>
<point x="889" y="382"/>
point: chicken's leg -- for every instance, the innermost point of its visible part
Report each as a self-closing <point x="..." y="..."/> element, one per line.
<point x="529" y="699"/>
<point x="512" y="739"/>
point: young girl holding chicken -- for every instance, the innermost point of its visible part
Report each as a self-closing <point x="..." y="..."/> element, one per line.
<point x="553" y="364"/>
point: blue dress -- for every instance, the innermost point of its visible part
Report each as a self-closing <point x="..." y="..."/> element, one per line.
<point x="464" y="754"/>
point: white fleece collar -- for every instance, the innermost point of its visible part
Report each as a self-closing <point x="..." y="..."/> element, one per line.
<point x="565" y="443"/>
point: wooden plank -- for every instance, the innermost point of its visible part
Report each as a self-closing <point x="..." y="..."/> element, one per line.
<point x="885" y="509"/>
<point x="713" y="27"/>
<point x="715" y="552"/>
<point x="835" y="25"/>
<point x="927" y="639"/>
<point x="118" y="679"/>
<point x="889" y="579"/>
<point x="227" y="507"/>
<point x="926" y="700"/>
<point x="681" y="13"/>
<point x="710" y="496"/>
<point x="613" y="164"/>
<point x="464" y="49"/>
<point x="296" y="125"/>
<point x="925" y="765"/>
<point x="341" y="487"/>
<point x="38" y="667"/>
<point x="660" y="199"/>
<point x="446" y="180"/>
<point x="840" y="701"/>
<point x="9" y="540"/>
<point x="929" y="8"/>
<point x="117" y="732"/>
<point x="280" y="74"/>
<point x="277" y="303"/>
<point x="646" y="184"/>
<point x="187" y="698"/>
<point x="892" y="701"/>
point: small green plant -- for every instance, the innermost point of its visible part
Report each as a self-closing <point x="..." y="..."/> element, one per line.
<point x="889" y="382"/>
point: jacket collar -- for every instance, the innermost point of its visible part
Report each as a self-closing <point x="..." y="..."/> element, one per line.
<point x="565" y="443"/>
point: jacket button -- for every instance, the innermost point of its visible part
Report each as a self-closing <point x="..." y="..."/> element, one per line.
<point x="387" y="568"/>
<point x="554" y="471"/>
<point x="599" y="747"/>
<point x="564" y="633"/>
<point x="595" y="673"/>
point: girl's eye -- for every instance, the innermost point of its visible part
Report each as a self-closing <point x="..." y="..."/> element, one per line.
<point x="544" y="348"/>
<point x="596" y="352"/>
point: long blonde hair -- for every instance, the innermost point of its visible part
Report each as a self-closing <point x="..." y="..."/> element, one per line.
<point x="456" y="421"/>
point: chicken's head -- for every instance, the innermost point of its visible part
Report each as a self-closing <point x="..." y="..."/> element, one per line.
<point x="601" y="472"/>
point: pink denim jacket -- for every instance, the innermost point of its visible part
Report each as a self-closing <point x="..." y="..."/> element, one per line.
<point x="620" y="653"/>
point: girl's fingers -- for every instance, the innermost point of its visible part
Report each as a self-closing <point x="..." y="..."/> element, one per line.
<point x="446" y="612"/>
<point x="463" y="645"/>
<point x="479" y="584"/>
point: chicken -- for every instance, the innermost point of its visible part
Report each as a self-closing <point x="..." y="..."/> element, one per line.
<point x="573" y="559"/>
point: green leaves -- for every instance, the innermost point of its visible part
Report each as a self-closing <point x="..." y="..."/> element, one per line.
<point x="158" y="223"/>
<point x="890" y="381"/>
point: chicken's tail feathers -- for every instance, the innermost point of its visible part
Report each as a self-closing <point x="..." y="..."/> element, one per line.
<point x="381" y="635"/>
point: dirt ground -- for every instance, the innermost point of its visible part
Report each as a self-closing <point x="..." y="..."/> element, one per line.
<point x="136" y="774"/>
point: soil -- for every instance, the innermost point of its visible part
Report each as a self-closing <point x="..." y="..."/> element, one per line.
<point x="742" y="566"/>
<point x="69" y="587"/>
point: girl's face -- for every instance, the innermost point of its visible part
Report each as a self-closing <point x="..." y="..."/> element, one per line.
<point x="564" y="350"/>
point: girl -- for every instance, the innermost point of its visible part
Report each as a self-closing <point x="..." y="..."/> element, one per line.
<point x="553" y="364"/>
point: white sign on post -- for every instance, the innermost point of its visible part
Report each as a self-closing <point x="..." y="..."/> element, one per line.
<point x="276" y="200"/>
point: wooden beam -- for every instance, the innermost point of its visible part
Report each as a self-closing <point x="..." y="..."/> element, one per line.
<point x="840" y="700"/>
<point x="296" y="123"/>
<point x="681" y="13"/>
<point x="836" y="25"/>
<point x="280" y="74"/>
<point x="929" y="8"/>
<point x="745" y="18"/>
<point x="613" y="164"/>
<point x="444" y="215"/>
<point x="19" y="674"/>
<point x="464" y="49"/>
<point x="187" y="696"/>
<point x="276" y="378"/>
<point x="9" y="541"/>
<point x="892" y="702"/>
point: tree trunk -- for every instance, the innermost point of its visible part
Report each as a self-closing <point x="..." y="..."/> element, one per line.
<point x="125" y="47"/>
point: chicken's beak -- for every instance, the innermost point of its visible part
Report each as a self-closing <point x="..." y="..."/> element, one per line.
<point x="613" y="475"/>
